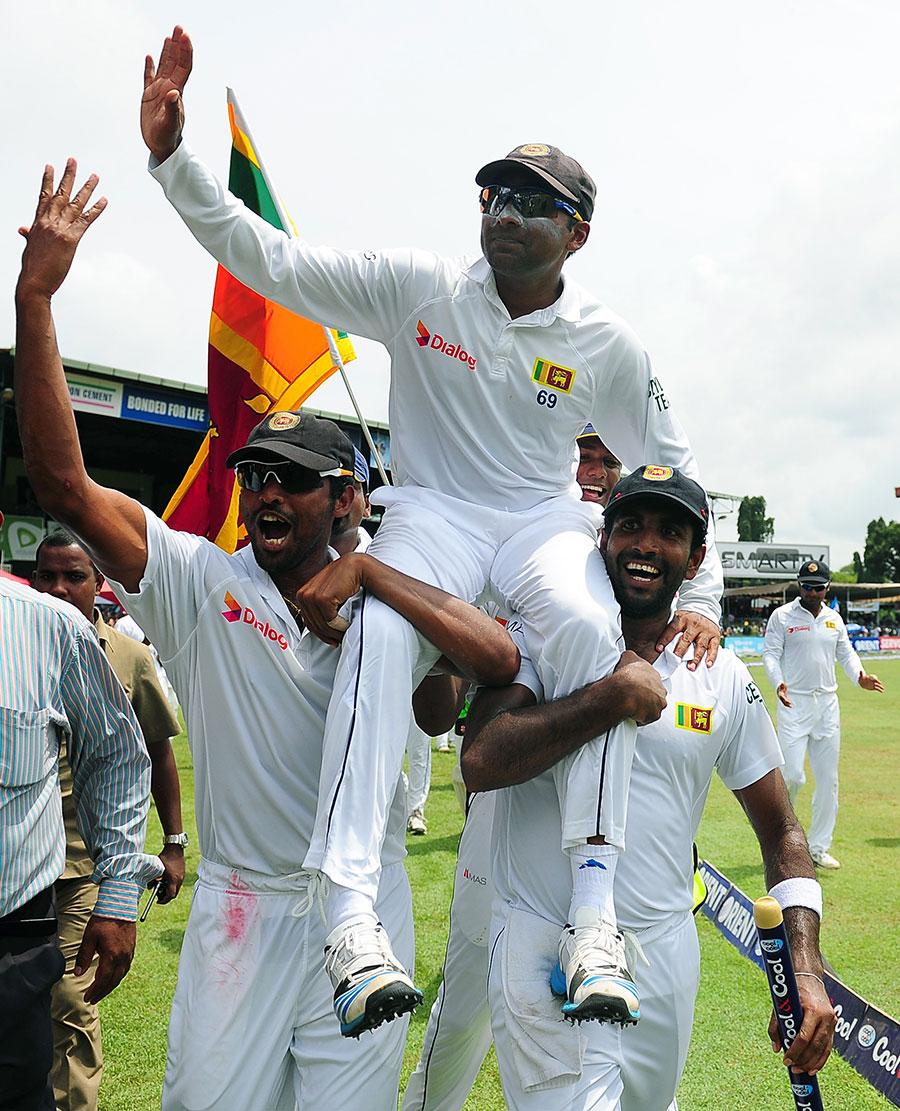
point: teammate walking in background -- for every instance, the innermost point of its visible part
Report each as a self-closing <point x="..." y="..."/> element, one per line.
<point x="803" y="640"/>
<point x="65" y="571"/>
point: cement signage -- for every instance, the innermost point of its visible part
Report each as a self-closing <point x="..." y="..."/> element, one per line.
<point x="95" y="395"/>
<point x="749" y="560"/>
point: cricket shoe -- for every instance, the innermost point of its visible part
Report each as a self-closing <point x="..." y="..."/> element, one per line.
<point x="825" y="860"/>
<point x="370" y="984"/>
<point x="416" y="823"/>
<point x="593" y="973"/>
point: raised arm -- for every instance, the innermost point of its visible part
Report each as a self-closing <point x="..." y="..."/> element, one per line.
<point x="111" y="524"/>
<point x="478" y="647"/>
<point x="509" y="739"/>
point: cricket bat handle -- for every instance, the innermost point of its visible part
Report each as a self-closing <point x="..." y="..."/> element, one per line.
<point x="776" y="955"/>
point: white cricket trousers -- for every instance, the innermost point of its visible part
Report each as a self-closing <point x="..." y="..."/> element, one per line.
<point x="458" y="1035"/>
<point x="635" y="1068"/>
<point x="545" y="565"/>
<point x="418" y="753"/>
<point x="252" y="1025"/>
<point x="813" y="724"/>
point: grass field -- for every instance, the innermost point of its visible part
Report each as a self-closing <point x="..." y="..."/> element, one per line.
<point x="730" y="1064"/>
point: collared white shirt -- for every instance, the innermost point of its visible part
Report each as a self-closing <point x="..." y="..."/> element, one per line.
<point x="482" y="408"/>
<point x="714" y="721"/>
<point x="801" y="650"/>
<point x="55" y="685"/>
<point x="254" y="690"/>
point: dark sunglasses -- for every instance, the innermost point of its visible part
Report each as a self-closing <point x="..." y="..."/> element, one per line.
<point x="530" y="203"/>
<point x="813" y="587"/>
<point x="291" y="477"/>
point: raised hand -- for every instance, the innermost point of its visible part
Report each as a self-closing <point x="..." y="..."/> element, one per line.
<point x="59" y="223"/>
<point x="162" y="105"/>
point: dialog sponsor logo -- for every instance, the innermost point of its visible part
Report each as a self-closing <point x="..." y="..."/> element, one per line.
<point x="244" y="614"/>
<point x="771" y="944"/>
<point x="436" y="342"/>
<point x="866" y="1035"/>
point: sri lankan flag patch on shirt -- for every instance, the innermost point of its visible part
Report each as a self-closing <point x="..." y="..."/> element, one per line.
<point x="696" y="719"/>
<point x="556" y="377"/>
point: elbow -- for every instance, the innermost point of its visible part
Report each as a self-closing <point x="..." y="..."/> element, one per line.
<point x="502" y="666"/>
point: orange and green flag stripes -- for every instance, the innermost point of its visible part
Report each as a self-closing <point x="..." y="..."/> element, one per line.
<point x="261" y="358"/>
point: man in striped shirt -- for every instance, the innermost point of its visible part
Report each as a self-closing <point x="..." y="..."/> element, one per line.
<point x="55" y="684"/>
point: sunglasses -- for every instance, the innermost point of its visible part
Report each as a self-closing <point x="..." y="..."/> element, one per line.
<point x="291" y="477"/>
<point x="530" y="203"/>
<point x="813" y="587"/>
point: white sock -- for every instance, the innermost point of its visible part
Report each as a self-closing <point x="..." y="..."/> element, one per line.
<point x="593" y="874"/>
<point x="343" y="903"/>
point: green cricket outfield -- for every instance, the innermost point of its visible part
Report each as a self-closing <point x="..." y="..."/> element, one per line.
<point x="731" y="1063"/>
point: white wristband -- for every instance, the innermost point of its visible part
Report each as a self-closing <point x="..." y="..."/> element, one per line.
<point x="798" y="892"/>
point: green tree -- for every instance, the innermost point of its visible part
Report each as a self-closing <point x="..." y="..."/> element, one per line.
<point x="752" y="523"/>
<point x="881" y="559"/>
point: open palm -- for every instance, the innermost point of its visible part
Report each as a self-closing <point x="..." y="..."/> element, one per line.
<point x="162" y="105"/>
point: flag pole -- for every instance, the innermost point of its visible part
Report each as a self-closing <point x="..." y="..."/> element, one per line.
<point x="288" y="225"/>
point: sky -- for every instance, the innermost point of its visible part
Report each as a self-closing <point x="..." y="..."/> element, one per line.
<point x="747" y="161"/>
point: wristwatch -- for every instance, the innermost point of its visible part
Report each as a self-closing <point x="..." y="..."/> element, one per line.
<point x="176" y="839"/>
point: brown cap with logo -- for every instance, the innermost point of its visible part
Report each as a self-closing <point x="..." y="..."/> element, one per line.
<point x="302" y="438"/>
<point x="562" y="173"/>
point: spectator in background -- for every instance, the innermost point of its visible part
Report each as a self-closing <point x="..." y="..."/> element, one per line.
<point x="803" y="639"/>
<point x="65" y="571"/>
<point x="57" y="688"/>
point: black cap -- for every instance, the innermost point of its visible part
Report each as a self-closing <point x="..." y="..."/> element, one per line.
<point x="814" y="572"/>
<point x="302" y="438"/>
<point x="653" y="481"/>
<point x="562" y="173"/>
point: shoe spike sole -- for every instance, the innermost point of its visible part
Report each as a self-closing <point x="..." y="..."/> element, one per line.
<point x="383" y="1006"/>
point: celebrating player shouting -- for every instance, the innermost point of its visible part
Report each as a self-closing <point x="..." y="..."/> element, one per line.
<point x="497" y="364"/>
<point x="252" y="1021"/>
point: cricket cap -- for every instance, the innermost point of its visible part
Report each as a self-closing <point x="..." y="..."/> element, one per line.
<point x="814" y="572"/>
<point x="302" y="438"/>
<point x="652" y="481"/>
<point x="563" y="174"/>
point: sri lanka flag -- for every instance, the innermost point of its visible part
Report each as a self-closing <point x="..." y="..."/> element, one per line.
<point x="262" y="358"/>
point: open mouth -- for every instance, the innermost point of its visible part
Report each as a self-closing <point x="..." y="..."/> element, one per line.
<point x="273" y="529"/>
<point x="592" y="492"/>
<point x="642" y="572"/>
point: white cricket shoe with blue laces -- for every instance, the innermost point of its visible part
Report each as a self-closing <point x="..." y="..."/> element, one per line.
<point x="370" y="984"/>
<point x="593" y="973"/>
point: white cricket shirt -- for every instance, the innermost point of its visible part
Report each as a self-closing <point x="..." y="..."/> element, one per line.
<point x="254" y="691"/>
<point x="800" y="649"/>
<point x="482" y="408"/>
<point x="714" y="720"/>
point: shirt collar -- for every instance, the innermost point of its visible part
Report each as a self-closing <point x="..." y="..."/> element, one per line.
<point x="100" y="627"/>
<point x="265" y="584"/>
<point x="567" y="306"/>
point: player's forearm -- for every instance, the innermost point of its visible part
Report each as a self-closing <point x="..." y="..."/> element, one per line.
<point x="46" y="422"/>
<point x="518" y="744"/>
<point x="703" y="593"/>
<point x="772" y="667"/>
<point x="785" y="856"/>
<point x="478" y="647"/>
<point x="165" y="787"/>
